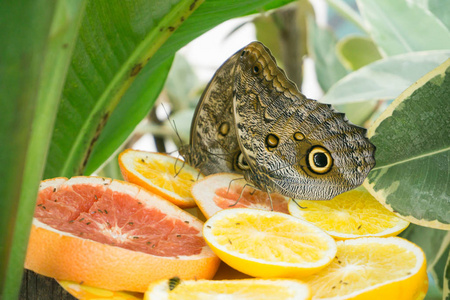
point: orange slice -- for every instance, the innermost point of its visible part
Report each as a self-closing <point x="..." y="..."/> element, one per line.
<point x="161" y="174"/>
<point x="373" y="268"/>
<point x="350" y="215"/>
<point x="268" y="244"/>
<point x="114" y="235"/>
<point x="228" y="289"/>
<point x="219" y="191"/>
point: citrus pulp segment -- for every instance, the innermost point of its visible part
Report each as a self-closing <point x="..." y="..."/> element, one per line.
<point x="257" y="289"/>
<point x="373" y="268"/>
<point x="268" y="244"/>
<point x="114" y="235"/>
<point x="162" y="174"/>
<point x="351" y="214"/>
<point x="219" y="191"/>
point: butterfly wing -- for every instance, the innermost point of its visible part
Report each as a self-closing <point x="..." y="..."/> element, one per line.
<point x="213" y="144"/>
<point x="294" y="146"/>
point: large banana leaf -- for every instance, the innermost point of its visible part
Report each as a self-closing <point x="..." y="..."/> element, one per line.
<point x="413" y="150"/>
<point x="121" y="41"/>
<point x="37" y="42"/>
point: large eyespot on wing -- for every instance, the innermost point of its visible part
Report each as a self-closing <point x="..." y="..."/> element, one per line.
<point x="319" y="160"/>
<point x="266" y="127"/>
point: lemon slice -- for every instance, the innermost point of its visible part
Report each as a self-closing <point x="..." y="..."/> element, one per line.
<point x="248" y="289"/>
<point x="350" y="215"/>
<point x="373" y="268"/>
<point x="161" y="174"/>
<point x="268" y="244"/>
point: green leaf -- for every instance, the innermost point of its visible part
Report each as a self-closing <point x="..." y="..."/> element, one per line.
<point x="402" y="26"/>
<point x="133" y="107"/>
<point x="355" y="52"/>
<point x="446" y="292"/>
<point x="37" y="41"/>
<point x="116" y="40"/>
<point x="413" y="147"/>
<point x="440" y="9"/>
<point x="347" y="12"/>
<point x="437" y="267"/>
<point x="322" y="49"/>
<point x="119" y="40"/>
<point x="385" y="78"/>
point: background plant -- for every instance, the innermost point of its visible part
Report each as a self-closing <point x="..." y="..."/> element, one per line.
<point x="76" y="77"/>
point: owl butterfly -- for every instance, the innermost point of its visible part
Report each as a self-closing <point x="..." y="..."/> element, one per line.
<point x="253" y="120"/>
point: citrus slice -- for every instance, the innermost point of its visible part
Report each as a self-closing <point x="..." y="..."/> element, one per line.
<point x="161" y="174"/>
<point x="349" y="215"/>
<point x="248" y="289"/>
<point x="373" y="268"/>
<point x="114" y="235"/>
<point x="218" y="191"/>
<point x="268" y="244"/>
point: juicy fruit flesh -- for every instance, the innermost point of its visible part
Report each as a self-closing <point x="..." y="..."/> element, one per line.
<point x="174" y="181"/>
<point x="241" y="289"/>
<point x="250" y="198"/>
<point x="356" y="212"/>
<point x="270" y="238"/>
<point x="97" y="213"/>
<point x="357" y="267"/>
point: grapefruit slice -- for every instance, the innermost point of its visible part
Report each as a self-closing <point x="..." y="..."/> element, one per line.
<point x="248" y="289"/>
<point x="114" y="235"/>
<point x="218" y="191"/>
<point x="268" y="244"/>
<point x="161" y="174"/>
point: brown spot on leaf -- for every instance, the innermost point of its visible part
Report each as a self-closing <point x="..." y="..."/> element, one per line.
<point x="136" y="69"/>
<point x="192" y="6"/>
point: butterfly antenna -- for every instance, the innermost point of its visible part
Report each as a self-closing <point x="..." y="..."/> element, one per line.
<point x="172" y="124"/>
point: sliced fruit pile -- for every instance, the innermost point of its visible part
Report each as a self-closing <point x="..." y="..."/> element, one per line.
<point x="123" y="229"/>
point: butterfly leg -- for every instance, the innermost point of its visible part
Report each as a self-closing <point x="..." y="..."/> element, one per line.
<point x="242" y="192"/>
<point x="231" y="181"/>
<point x="298" y="204"/>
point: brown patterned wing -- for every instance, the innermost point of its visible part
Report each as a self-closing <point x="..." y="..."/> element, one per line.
<point x="213" y="144"/>
<point x="295" y="146"/>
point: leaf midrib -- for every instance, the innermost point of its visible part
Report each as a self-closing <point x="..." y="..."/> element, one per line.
<point x="412" y="158"/>
<point x="114" y="82"/>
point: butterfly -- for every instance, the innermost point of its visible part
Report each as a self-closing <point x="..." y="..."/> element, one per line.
<point x="251" y="119"/>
